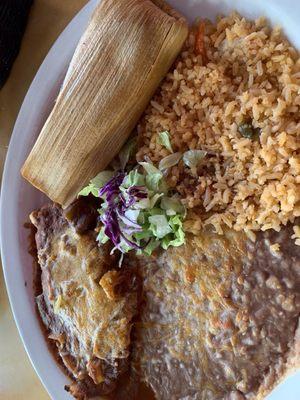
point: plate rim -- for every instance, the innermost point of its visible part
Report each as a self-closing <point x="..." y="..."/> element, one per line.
<point x="86" y="10"/>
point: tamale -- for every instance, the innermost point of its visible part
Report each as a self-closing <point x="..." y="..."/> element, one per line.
<point x="127" y="49"/>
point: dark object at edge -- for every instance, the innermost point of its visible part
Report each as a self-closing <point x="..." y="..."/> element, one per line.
<point x="13" y="19"/>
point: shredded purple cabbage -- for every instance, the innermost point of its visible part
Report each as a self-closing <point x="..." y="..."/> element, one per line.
<point x="117" y="226"/>
<point x="112" y="187"/>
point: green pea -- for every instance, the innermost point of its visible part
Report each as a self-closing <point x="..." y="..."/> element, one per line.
<point x="247" y="130"/>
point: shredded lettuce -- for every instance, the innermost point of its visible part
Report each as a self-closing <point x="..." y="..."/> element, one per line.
<point x="151" y="246"/>
<point x="159" y="226"/>
<point x="153" y="181"/>
<point x="169" y="161"/>
<point x="96" y="183"/>
<point x="102" y="238"/>
<point x="102" y="178"/>
<point x="150" y="168"/>
<point x="90" y="189"/>
<point x="134" y="178"/>
<point x="154" y="176"/>
<point x="164" y="140"/>
<point x="126" y="152"/>
<point x="137" y="212"/>
<point x="178" y="232"/>
<point x="192" y="158"/>
<point x="172" y="205"/>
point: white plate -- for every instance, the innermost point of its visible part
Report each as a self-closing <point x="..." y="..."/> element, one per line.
<point x="19" y="198"/>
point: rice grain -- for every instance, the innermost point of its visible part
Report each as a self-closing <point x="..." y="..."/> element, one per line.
<point x="251" y="74"/>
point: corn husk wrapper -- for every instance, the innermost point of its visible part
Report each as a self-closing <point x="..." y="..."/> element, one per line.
<point x="125" y="52"/>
